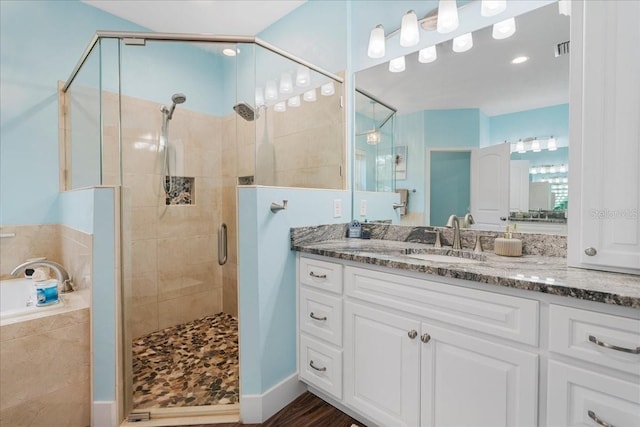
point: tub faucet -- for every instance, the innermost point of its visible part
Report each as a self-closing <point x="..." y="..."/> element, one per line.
<point x="455" y="223"/>
<point x="61" y="274"/>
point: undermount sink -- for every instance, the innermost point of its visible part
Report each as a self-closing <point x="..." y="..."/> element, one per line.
<point x="443" y="258"/>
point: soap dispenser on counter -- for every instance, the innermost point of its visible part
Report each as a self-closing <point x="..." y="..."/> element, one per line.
<point x="507" y="245"/>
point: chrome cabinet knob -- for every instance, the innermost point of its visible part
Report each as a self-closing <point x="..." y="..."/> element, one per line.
<point x="590" y="251"/>
<point x="412" y="333"/>
<point x="425" y="338"/>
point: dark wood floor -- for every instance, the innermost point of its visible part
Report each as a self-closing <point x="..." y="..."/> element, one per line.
<point x="306" y="411"/>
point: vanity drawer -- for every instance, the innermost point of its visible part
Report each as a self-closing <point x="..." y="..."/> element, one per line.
<point x="500" y="315"/>
<point x="321" y="274"/>
<point x="321" y="366"/>
<point x="607" y="340"/>
<point x="579" y="397"/>
<point x="321" y="315"/>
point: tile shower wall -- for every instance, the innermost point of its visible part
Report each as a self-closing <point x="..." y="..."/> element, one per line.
<point x="173" y="248"/>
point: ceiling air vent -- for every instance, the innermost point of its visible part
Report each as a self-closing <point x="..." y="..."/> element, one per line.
<point x="561" y="49"/>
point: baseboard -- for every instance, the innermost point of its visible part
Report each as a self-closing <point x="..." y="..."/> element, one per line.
<point x="103" y="414"/>
<point x="257" y="408"/>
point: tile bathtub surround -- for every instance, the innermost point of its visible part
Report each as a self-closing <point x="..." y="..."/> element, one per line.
<point x="532" y="244"/>
<point x="192" y="364"/>
<point x="45" y="371"/>
<point x="530" y="272"/>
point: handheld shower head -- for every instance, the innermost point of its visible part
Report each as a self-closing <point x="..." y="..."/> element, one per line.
<point x="245" y="111"/>
<point x="177" y="98"/>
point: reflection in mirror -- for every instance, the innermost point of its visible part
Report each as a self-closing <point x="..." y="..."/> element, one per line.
<point x="473" y="100"/>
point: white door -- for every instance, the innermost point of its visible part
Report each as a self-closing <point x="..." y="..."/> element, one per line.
<point x="577" y="397"/>
<point x="490" y="184"/>
<point x="519" y="185"/>
<point x="468" y="381"/>
<point x="605" y="127"/>
<point x="382" y="365"/>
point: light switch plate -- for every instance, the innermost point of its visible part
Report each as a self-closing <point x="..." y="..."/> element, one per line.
<point x="337" y="208"/>
<point x="363" y="208"/>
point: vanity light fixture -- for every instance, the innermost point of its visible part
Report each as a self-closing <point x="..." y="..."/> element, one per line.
<point x="520" y="147"/>
<point x="397" y="65"/>
<point x="280" y="107"/>
<point x="504" y="29"/>
<point x="563" y="168"/>
<point x="303" y="77"/>
<point x="294" y="101"/>
<point x="271" y="91"/>
<point x="519" y="59"/>
<point x="462" y="43"/>
<point x="259" y="97"/>
<point x="409" y="31"/>
<point x="286" y="83"/>
<point x="447" y="16"/>
<point x="427" y="54"/>
<point x="535" y="146"/>
<point x="492" y="7"/>
<point x="376" y="43"/>
<point x="551" y="144"/>
<point x="327" y="89"/>
<point x="310" y="95"/>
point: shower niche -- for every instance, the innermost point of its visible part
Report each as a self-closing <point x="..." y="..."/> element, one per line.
<point x="178" y="122"/>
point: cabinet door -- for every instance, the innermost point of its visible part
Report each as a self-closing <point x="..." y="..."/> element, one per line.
<point x="468" y="381"/>
<point x="604" y="181"/>
<point x="381" y="365"/>
<point x="578" y="397"/>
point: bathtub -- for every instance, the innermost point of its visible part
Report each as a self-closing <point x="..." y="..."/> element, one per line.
<point x="14" y="295"/>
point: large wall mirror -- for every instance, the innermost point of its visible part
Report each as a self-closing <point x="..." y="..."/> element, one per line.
<point x="486" y="130"/>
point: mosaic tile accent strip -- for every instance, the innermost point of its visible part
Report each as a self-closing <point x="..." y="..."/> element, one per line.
<point x="193" y="364"/>
<point x="181" y="190"/>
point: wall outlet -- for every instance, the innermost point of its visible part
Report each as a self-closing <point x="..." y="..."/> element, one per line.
<point x="337" y="208"/>
<point x="363" y="208"/>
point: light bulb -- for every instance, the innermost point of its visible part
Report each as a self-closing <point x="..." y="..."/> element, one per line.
<point x="427" y="54"/>
<point x="259" y="97"/>
<point x="504" y="29"/>
<point x="280" y="107"/>
<point x="520" y="147"/>
<point x="492" y="7"/>
<point x="551" y="144"/>
<point x="327" y="89"/>
<point x="447" y="16"/>
<point x="303" y="77"/>
<point x="397" y="65"/>
<point x="286" y="83"/>
<point x="409" y="31"/>
<point x="535" y="146"/>
<point x="373" y="137"/>
<point x="542" y="169"/>
<point x="294" y="101"/>
<point x="462" y="43"/>
<point x="552" y="169"/>
<point x="376" y="43"/>
<point x="533" y="171"/>
<point x="563" y="169"/>
<point x="271" y="91"/>
<point x="310" y="95"/>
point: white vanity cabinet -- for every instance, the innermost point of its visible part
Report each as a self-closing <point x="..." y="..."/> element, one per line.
<point x="604" y="215"/>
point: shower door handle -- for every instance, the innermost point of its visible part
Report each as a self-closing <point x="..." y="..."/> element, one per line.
<point x="222" y="244"/>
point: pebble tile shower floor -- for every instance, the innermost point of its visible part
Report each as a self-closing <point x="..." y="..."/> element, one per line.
<point x="192" y="364"/>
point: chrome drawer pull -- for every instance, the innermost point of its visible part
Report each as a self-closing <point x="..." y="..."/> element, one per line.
<point x="317" y="318"/>
<point x="317" y="276"/>
<point x="598" y="421"/>
<point x="425" y="338"/>
<point x="317" y="369"/>
<point x="614" y="347"/>
<point x="412" y="333"/>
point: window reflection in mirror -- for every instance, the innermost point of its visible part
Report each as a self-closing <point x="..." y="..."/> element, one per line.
<point x="478" y="99"/>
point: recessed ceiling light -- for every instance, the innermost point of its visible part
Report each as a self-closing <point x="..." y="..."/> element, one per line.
<point x="229" y="52"/>
<point x="519" y="59"/>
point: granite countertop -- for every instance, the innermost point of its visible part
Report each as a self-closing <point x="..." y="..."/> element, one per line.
<point x="529" y="272"/>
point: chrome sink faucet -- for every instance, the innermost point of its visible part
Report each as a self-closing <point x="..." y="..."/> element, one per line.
<point x="455" y="223"/>
<point x="61" y="274"/>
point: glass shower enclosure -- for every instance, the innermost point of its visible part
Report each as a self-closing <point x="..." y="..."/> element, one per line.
<point x="177" y="122"/>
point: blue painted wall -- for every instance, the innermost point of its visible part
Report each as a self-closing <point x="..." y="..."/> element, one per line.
<point x="267" y="277"/>
<point x="450" y="185"/>
<point x="410" y="133"/>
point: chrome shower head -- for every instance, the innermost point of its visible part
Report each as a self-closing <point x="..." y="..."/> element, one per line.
<point x="177" y="98"/>
<point x="245" y="111"/>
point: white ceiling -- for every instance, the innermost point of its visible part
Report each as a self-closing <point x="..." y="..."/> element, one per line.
<point x="483" y="77"/>
<point x="228" y="17"/>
